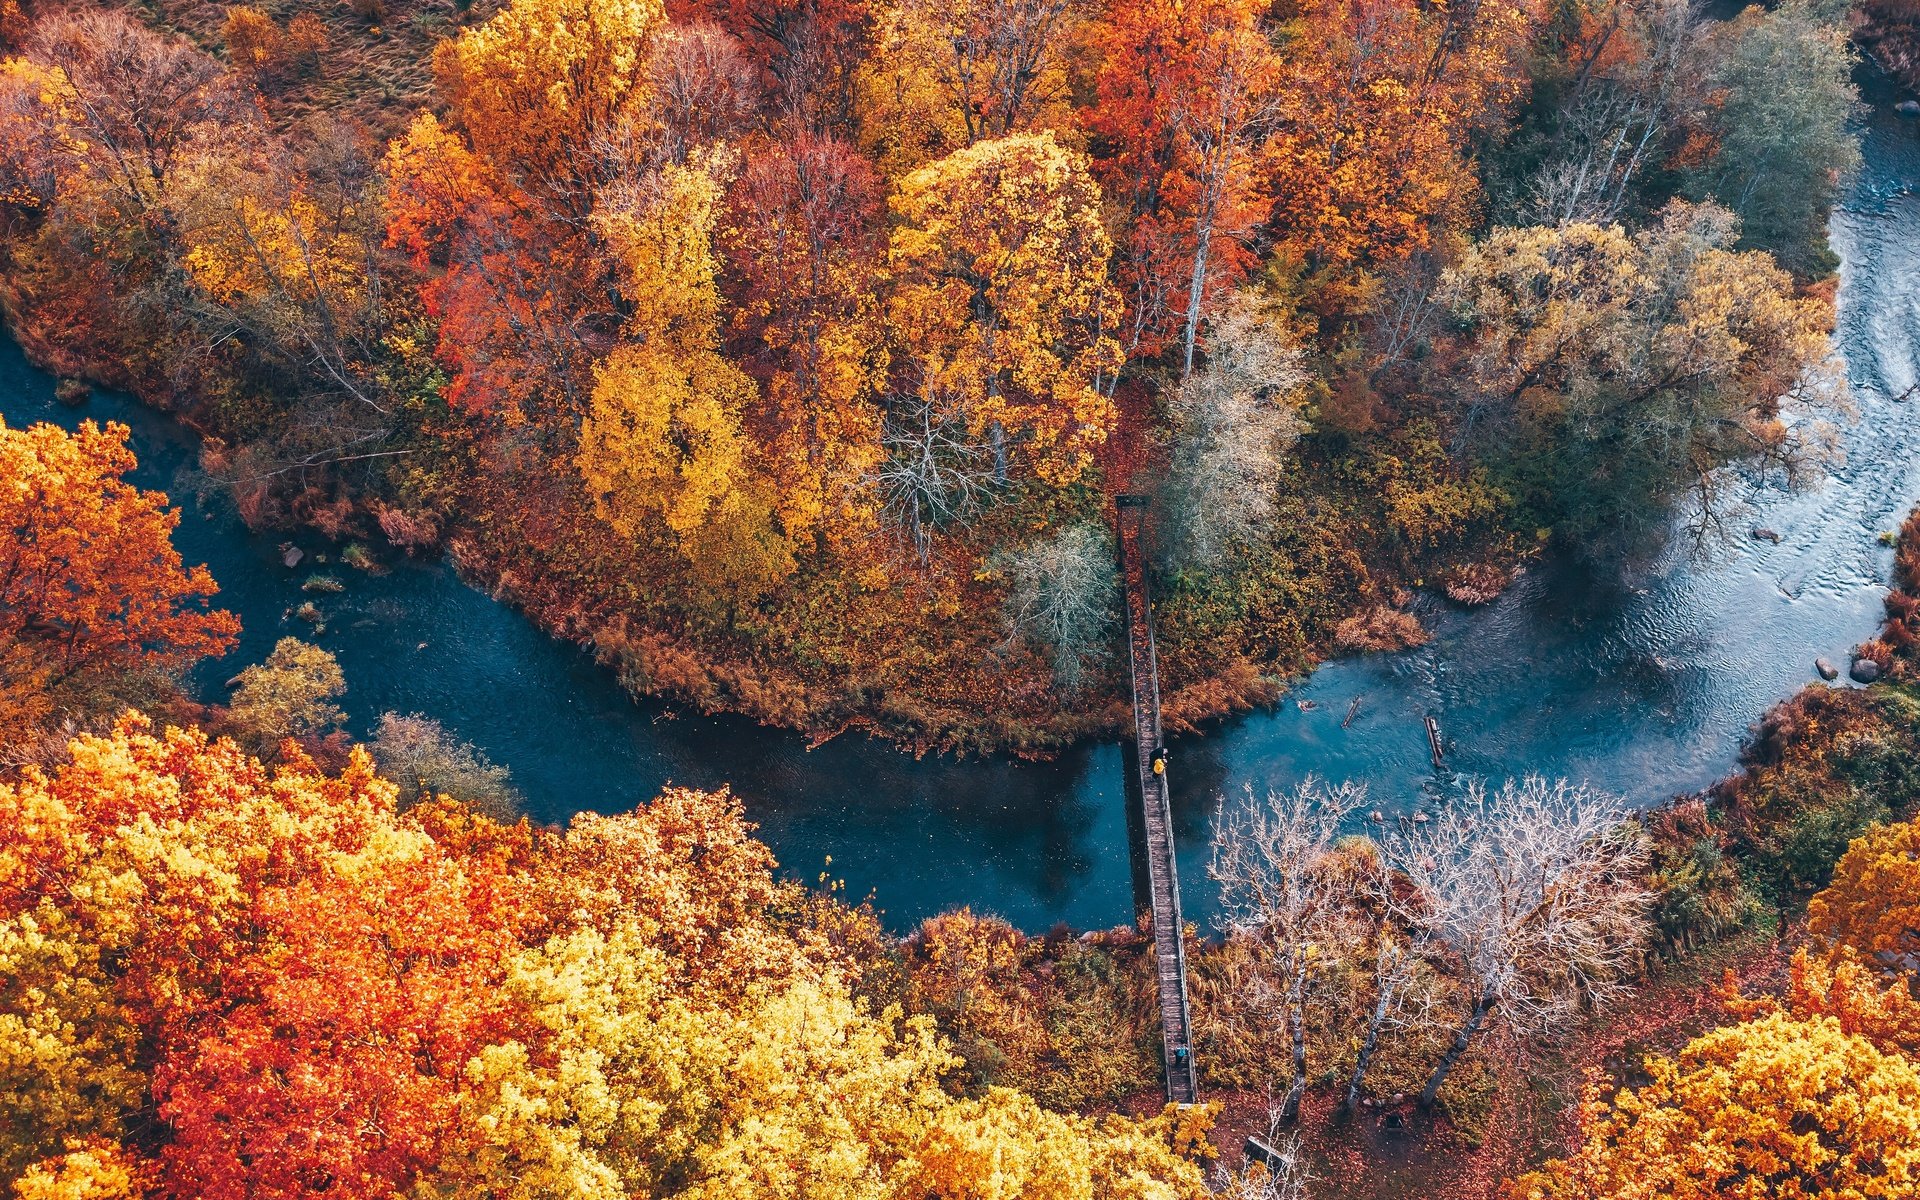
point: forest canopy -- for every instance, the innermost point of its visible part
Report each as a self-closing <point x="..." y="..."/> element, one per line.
<point x="770" y="346"/>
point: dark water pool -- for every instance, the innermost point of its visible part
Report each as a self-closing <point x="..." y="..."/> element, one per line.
<point x="1643" y="690"/>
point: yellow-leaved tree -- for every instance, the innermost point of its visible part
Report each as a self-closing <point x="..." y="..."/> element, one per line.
<point x="1777" y="1106"/>
<point x="91" y="587"/>
<point x="1003" y="313"/>
<point x="662" y="450"/>
<point x="1873" y="903"/>
<point x="944" y="74"/>
<point x="1003" y="1146"/>
<point x="541" y="86"/>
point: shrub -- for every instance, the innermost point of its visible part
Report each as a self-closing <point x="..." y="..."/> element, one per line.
<point x="290" y="695"/>
<point x="417" y="753"/>
<point x="254" y="42"/>
<point x="1062" y="597"/>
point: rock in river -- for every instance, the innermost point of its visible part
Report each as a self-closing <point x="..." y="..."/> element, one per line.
<point x="1908" y="108"/>
<point x="1865" y="670"/>
<point x="1826" y="668"/>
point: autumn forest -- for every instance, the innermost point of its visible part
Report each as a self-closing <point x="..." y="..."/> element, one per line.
<point x="789" y="357"/>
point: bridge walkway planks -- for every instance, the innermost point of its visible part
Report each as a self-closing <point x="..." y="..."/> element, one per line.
<point x="1162" y="875"/>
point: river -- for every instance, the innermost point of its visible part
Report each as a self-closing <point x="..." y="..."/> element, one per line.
<point x="1644" y="690"/>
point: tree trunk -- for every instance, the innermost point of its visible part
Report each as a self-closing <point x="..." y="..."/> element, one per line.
<point x="998" y="434"/>
<point x="1461" y="1040"/>
<point x="1367" y="1048"/>
<point x="1297" y="1029"/>
<point x="1196" y="288"/>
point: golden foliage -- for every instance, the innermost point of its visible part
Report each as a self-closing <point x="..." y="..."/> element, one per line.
<point x="663" y="439"/>
<point x="945" y="74"/>
<point x="541" y="85"/>
<point x="1777" y="1106"/>
<point x="1002" y="310"/>
<point x="1873" y="903"/>
<point x="436" y="1004"/>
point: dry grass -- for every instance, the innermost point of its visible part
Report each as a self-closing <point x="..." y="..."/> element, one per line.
<point x="376" y="72"/>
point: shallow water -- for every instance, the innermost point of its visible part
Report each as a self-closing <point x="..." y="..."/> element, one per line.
<point x="1645" y="690"/>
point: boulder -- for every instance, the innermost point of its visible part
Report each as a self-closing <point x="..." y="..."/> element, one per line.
<point x="1764" y="534"/>
<point x="1865" y="670"/>
<point x="291" y="555"/>
<point x="1908" y="108"/>
<point x="1827" y="670"/>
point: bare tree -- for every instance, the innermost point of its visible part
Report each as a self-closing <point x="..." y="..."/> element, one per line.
<point x="139" y="98"/>
<point x="934" y="475"/>
<point x="1233" y="425"/>
<point x="1273" y="862"/>
<point x="1062" y="596"/>
<point x="1614" y="123"/>
<point x="1284" y="1173"/>
<point x="1393" y="957"/>
<point x="704" y="88"/>
<point x="300" y="233"/>
<point x="1536" y="891"/>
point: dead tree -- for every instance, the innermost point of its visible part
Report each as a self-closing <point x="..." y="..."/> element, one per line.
<point x="1278" y="889"/>
<point x="1535" y="891"/>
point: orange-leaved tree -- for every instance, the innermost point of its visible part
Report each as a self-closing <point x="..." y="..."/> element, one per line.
<point x="1187" y="95"/>
<point x="1377" y="110"/>
<point x="90" y="583"/>
<point x="131" y="881"/>
<point x="547" y="101"/>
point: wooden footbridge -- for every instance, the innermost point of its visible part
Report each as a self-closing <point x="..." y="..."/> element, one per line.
<point x="1148" y="789"/>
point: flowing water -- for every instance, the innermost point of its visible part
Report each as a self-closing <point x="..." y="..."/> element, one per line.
<point x="1644" y="690"/>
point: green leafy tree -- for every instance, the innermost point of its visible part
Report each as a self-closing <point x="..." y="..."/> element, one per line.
<point x="1613" y="375"/>
<point x="1782" y="146"/>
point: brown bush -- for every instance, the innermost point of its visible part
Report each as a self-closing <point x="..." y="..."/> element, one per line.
<point x="407" y="530"/>
<point x="1903" y="12"/>
<point x="1477" y="583"/>
<point x="1897" y="649"/>
<point x="254" y="42"/>
<point x="306" y="42"/>
<point x="1380" y="628"/>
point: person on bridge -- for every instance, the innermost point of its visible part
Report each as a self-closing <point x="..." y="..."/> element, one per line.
<point x="1160" y="761"/>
